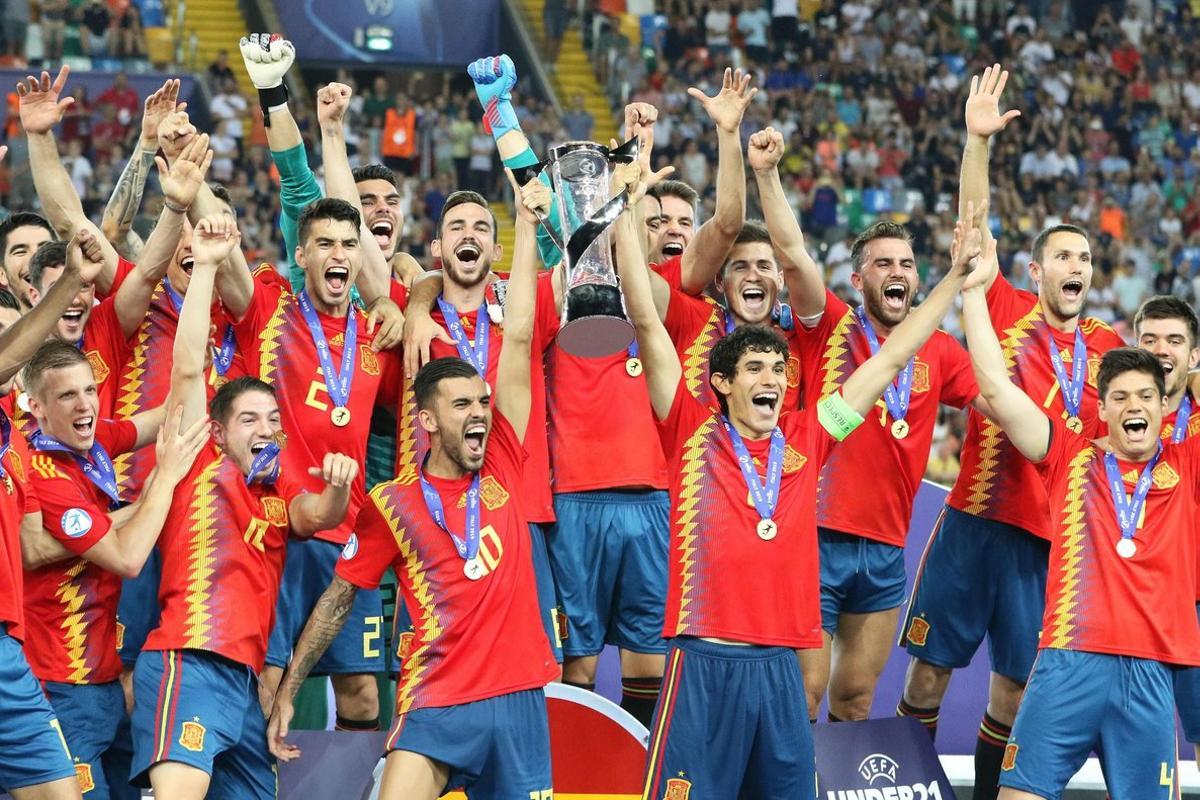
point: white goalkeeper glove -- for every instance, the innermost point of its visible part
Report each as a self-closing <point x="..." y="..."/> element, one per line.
<point x="268" y="58"/>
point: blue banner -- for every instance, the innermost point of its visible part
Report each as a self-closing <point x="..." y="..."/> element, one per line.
<point x="436" y="32"/>
<point x="880" y="759"/>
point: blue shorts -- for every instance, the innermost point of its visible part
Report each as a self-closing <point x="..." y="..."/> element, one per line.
<point x="978" y="578"/>
<point x="498" y="747"/>
<point x="858" y="576"/>
<point x="731" y="722"/>
<point x="1187" y="699"/>
<point x="92" y="717"/>
<point x="547" y="590"/>
<point x="306" y="575"/>
<point x="138" y="610"/>
<point x="32" y="747"/>
<point x="202" y="710"/>
<point x="609" y="555"/>
<point x="1076" y="702"/>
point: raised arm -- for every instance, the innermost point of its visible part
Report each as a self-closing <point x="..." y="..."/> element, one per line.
<point x="41" y="109"/>
<point x="705" y="254"/>
<point x="212" y="240"/>
<point x="309" y="512"/>
<point x="805" y="282"/>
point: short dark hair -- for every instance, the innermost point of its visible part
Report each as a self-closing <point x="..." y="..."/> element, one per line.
<point x="675" y="188"/>
<point x="221" y="193"/>
<point x="374" y="172"/>
<point x="8" y="299"/>
<point x="221" y="406"/>
<point x="729" y="350"/>
<point x="1168" y="306"/>
<point x="20" y="219"/>
<point x="881" y="229"/>
<point x="463" y="197"/>
<point x="1120" y="360"/>
<point x="753" y="232"/>
<point x="433" y="373"/>
<point x="48" y="256"/>
<point x="327" y="208"/>
<point x="1039" y="241"/>
<point x="53" y="354"/>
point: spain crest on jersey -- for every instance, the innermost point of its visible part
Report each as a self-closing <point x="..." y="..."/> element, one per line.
<point x="918" y="631"/>
<point x="83" y="774"/>
<point x="192" y="736"/>
<point x="1165" y="476"/>
<point x="920" y="376"/>
<point x="368" y="359"/>
<point x="793" y="460"/>
<point x="1010" y="756"/>
<point x="120" y="635"/>
<point x="16" y="468"/>
<point x="275" y="511"/>
<point x="100" y="369"/>
<point x="492" y="493"/>
<point x="793" y="372"/>
<point x="678" y="789"/>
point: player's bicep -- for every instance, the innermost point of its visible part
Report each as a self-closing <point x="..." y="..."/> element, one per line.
<point x="38" y="547"/>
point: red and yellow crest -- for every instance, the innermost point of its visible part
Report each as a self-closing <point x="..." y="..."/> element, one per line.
<point x="918" y="631"/>
<point x="16" y="467"/>
<point x="275" y="511"/>
<point x="1010" y="757"/>
<point x="1093" y="370"/>
<point x="368" y="359"/>
<point x="192" y="736"/>
<point x="492" y="493"/>
<point x="83" y="774"/>
<point x="793" y="372"/>
<point x="405" y="646"/>
<point x="99" y="369"/>
<point x="678" y="789"/>
<point x="1165" y="476"/>
<point x="793" y="460"/>
<point x="920" y="379"/>
<point x="120" y="636"/>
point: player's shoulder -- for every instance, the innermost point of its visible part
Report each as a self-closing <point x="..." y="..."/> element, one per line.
<point x="1101" y="333"/>
<point x="44" y="467"/>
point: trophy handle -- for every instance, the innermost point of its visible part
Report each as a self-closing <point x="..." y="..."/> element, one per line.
<point x="587" y="233"/>
<point x="524" y="175"/>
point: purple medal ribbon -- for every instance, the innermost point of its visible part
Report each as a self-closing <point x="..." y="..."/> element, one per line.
<point x="1182" y="417"/>
<point x="766" y="498"/>
<point x="98" y="467"/>
<point x="468" y="549"/>
<point x="1072" y="388"/>
<point x="475" y="354"/>
<point x="265" y="456"/>
<point x="222" y="355"/>
<point x="899" y="392"/>
<point x="337" y="384"/>
<point x="1129" y="507"/>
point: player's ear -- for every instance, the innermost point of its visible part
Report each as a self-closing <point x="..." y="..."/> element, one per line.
<point x="218" y="433"/>
<point x="428" y="421"/>
<point x="435" y="248"/>
<point x="721" y="383"/>
<point x="497" y="252"/>
<point x="1035" y="272"/>
<point x="856" y="280"/>
<point x="300" y="259"/>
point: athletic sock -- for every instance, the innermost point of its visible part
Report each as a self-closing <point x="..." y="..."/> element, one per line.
<point x="639" y="696"/>
<point x="926" y="716"/>
<point x="356" y="725"/>
<point x="989" y="754"/>
<point x="587" y="687"/>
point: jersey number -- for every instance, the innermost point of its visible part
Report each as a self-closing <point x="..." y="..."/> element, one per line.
<point x="544" y="794"/>
<point x="255" y="532"/>
<point x="371" y="636"/>
<point x="491" y="549"/>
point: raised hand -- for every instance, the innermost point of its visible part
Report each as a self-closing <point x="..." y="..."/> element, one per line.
<point x="176" y="448"/>
<point x="164" y="101"/>
<point x="982" y="114"/>
<point x="337" y="470"/>
<point x="385" y="315"/>
<point x="494" y="79"/>
<point x="332" y="102"/>
<point x="183" y="179"/>
<point x="38" y="101"/>
<point x="214" y="239"/>
<point x="85" y="256"/>
<point x="766" y="149"/>
<point x="967" y="245"/>
<point x="174" y="133"/>
<point x="727" y="106"/>
<point x="532" y="199"/>
<point x="267" y="56"/>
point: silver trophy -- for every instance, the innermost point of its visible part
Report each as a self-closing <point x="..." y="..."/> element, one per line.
<point x="594" y="322"/>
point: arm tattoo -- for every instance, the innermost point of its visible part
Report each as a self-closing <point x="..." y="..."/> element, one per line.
<point x="323" y="626"/>
<point x="127" y="194"/>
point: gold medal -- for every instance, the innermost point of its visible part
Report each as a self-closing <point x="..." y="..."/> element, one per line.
<point x="340" y="416"/>
<point x="767" y="529"/>
<point x="1075" y="424"/>
<point x="633" y="366"/>
<point x="899" y="429"/>
<point x="1126" y="548"/>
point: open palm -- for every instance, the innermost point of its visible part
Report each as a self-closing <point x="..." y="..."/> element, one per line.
<point x="727" y="106"/>
<point x="39" y="103"/>
<point x="983" y="115"/>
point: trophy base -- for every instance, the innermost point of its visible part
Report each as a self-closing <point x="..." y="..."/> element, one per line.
<point x="595" y="337"/>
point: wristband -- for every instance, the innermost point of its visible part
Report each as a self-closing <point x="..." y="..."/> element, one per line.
<point x="272" y="99"/>
<point x="837" y="417"/>
<point x="167" y="204"/>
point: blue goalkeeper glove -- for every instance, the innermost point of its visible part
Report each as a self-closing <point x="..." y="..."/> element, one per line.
<point x="494" y="79"/>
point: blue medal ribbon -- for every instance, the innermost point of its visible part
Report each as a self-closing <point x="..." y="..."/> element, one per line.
<point x="1182" y="417"/>
<point x="1129" y="507"/>
<point x="766" y="498"/>
<point x="98" y="467"/>
<point x="337" y="383"/>
<point x="475" y="354"/>
<point x="1072" y="387"/>
<point x="223" y="354"/>
<point x="729" y="323"/>
<point x="265" y="456"/>
<point x="5" y="440"/>
<point x="898" y="393"/>
<point x="469" y="548"/>
<point x="633" y="350"/>
<point x="175" y="297"/>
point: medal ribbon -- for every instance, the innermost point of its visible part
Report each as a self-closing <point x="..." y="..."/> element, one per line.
<point x="474" y="354"/>
<point x="265" y="456"/>
<point x="5" y="440"/>
<point x="336" y="383"/>
<point x="1072" y="388"/>
<point x="1182" y="417"/>
<point x="223" y="354"/>
<point x="468" y="549"/>
<point x="1129" y="507"/>
<point x="898" y="393"/>
<point x="98" y="467"/>
<point x="766" y="498"/>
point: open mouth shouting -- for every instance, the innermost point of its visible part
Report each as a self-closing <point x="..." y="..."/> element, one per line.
<point x="468" y="253"/>
<point x="765" y="402"/>
<point x="474" y="437"/>
<point x="1072" y="290"/>
<point x="258" y="447"/>
<point x="382" y="229"/>
<point x="1136" y="427"/>
<point x="754" y="300"/>
<point x="84" y="427"/>
<point x="187" y="263"/>
<point x="337" y="279"/>
<point x="895" y="295"/>
<point x="73" y="322"/>
<point x="672" y="248"/>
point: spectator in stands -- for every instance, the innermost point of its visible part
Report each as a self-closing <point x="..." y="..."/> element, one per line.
<point x="53" y="23"/>
<point x="578" y="121"/>
<point x="16" y="28"/>
<point x="375" y="108"/>
<point x="229" y="109"/>
<point x="482" y="149"/>
<point x="219" y="71"/>
<point x="555" y="17"/>
<point x="128" y="32"/>
<point x="97" y="29"/>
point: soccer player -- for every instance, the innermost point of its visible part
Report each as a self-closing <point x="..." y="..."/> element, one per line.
<point x="730" y="719"/>
<point x="861" y="544"/>
<point x="315" y="349"/>
<point x="470" y="712"/>
<point x="199" y="730"/>
<point x="1167" y="327"/>
<point x="21" y="234"/>
<point x="89" y="543"/>
<point x="984" y="570"/>
<point x="1120" y="603"/>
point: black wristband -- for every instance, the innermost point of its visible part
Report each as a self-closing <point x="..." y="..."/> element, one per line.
<point x="271" y="98"/>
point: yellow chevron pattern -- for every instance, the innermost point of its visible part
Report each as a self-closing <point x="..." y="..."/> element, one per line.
<point x="45" y="466"/>
<point x="691" y="469"/>
<point x="406" y="436"/>
<point x="836" y="355"/>
<point x="268" y="355"/>
<point x="73" y="625"/>
<point x="1071" y="544"/>
<point x="201" y="556"/>
<point x="695" y="357"/>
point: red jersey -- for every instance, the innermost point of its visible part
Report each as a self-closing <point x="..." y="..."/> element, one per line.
<point x="1097" y="601"/>
<point x="15" y="406"/>
<point x="996" y="481"/>
<point x="474" y="639"/>
<point x="71" y="606"/>
<point x="1193" y="429"/>
<point x="725" y="581"/>
<point x="412" y="442"/>
<point x="107" y="350"/>
<point x="17" y="499"/>
<point x="829" y="354"/>
<point x="222" y="549"/>
<point x="695" y="325"/>
<point x="278" y="348"/>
